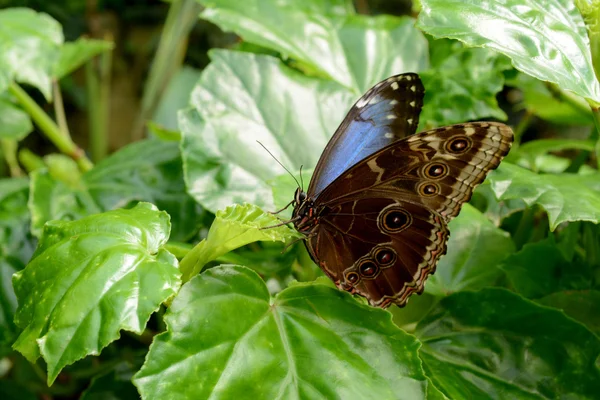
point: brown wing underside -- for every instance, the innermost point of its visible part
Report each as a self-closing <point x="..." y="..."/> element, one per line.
<point x="383" y="224"/>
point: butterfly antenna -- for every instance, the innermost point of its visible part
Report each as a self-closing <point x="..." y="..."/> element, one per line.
<point x="301" y="181"/>
<point x="282" y="166"/>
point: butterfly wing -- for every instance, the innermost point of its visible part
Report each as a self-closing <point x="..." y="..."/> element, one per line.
<point x="383" y="223"/>
<point x="387" y="112"/>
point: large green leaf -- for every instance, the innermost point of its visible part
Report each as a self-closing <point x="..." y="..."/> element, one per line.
<point x="354" y="50"/>
<point x="494" y="344"/>
<point x="311" y="341"/>
<point x="475" y="249"/>
<point x="544" y="38"/>
<point x="461" y="84"/>
<point x="540" y="269"/>
<point x="234" y="227"/>
<point x="242" y="98"/>
<point x="30" y="44"/>
<point x="14" y="122"/>
<point x="89" y="279"/>
<point x="565" y="197"/>
<point x="581" y="305"/>
<point x="149" y="170"/>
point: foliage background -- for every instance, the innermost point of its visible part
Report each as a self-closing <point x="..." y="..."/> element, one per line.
<point x="131" y="256"/>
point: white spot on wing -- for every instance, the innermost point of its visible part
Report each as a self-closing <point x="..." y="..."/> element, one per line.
<point x="393" y="102"/>
<point x="395" y="86"/>
<point x="408" y="78"/>
<point x="389" y="135"/>
<point x="376" y="168"/>
<point x="390" y="116"/>
<point x="410" y="121"/>
<point x="413" y="88"/>
<point x="412" y="103"/>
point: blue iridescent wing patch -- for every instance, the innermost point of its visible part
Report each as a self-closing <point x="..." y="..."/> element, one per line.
<point x="387" y="112"/>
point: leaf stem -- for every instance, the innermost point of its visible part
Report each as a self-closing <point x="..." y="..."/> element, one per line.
<point x="49" y="128"/>
<point x="59" y="108"/>
<point x="182" y="16"/>
<point x="30" y="161"/>
<point x="9" y="150"/>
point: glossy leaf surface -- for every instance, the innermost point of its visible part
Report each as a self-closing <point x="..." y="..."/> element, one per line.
<point x="90" y="278"/>
<point x="546" y="39"/>
<point x="311" y="341"/>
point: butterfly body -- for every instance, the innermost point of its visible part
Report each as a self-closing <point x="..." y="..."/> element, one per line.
<point x="376" y="212"/>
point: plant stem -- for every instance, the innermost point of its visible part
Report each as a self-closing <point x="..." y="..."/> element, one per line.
<point x="9" y="149"/>
<point x="522" y="127"/>
<point x="30" y="161"/>
<point x="59" y="108"/>
<point x="182" y="16"/>
<point x="596" y="133"/>
<point x="49" y="128"/>
<point x="98" y="77"/>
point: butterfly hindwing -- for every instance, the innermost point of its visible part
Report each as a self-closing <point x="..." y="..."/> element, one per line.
<point x="387" y="112"/>
<point x="401" y="199"/>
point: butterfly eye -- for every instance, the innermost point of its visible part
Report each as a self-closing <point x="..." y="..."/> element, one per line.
<point x="393" y="220"/>
<point x="435" y="170"/>
<point x="352" y="277"/>
<point x="458" y="145"/>
<point x="428" y="189"/>
<point x="368" y="269"/>
<point x="385" y="256"/>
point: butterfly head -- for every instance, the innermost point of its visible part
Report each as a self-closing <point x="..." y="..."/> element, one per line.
<point x="304" y="212"/>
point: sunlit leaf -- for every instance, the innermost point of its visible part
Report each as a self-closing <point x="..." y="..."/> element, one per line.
<point x="565" y="197"/>
<point x="311" y="341"/>
<point x="531" y="153"/>
<point x="30" y="44"/>
<point x="242" y="98"/>
<point x="544" y="38"/>
<point x="90" y="278"/>
<point x="354" y="50"/>
<point x="234" y="227"/>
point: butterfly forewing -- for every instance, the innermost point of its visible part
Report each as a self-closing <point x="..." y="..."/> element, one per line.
<point x="387" y="112"/>
<point x="401" y="198"/>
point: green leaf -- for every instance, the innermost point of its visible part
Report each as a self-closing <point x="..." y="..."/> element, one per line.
<point x="581" y="305"/>
<point x="311" y="341"/>
<point x="291" y="115"/>
<point x="565" y="197"/>
<point x="16" y="248"/>
<point x="175" y="97"/>
<point x="494" y="344"/>
<point x="538" y="269"/>
<point x="531" y="153"/>
<point x="475" y="249"/>
<point x="30" y="44"/>
<point x="546" y="39"/>
<point x="461" y="84"/>
<point x="74" y="54"/>
<point x="234" y="227"/>
<point x="149" y="170"/>
<point x="354" y="50"/>
<point x="89" y="279"/>
<point x="14" y="123"/>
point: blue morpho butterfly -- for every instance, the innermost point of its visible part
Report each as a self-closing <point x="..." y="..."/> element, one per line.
<point x="375" y="216"/>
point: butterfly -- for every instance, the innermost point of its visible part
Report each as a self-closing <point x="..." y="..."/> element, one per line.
<point x="375" y="215"/>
